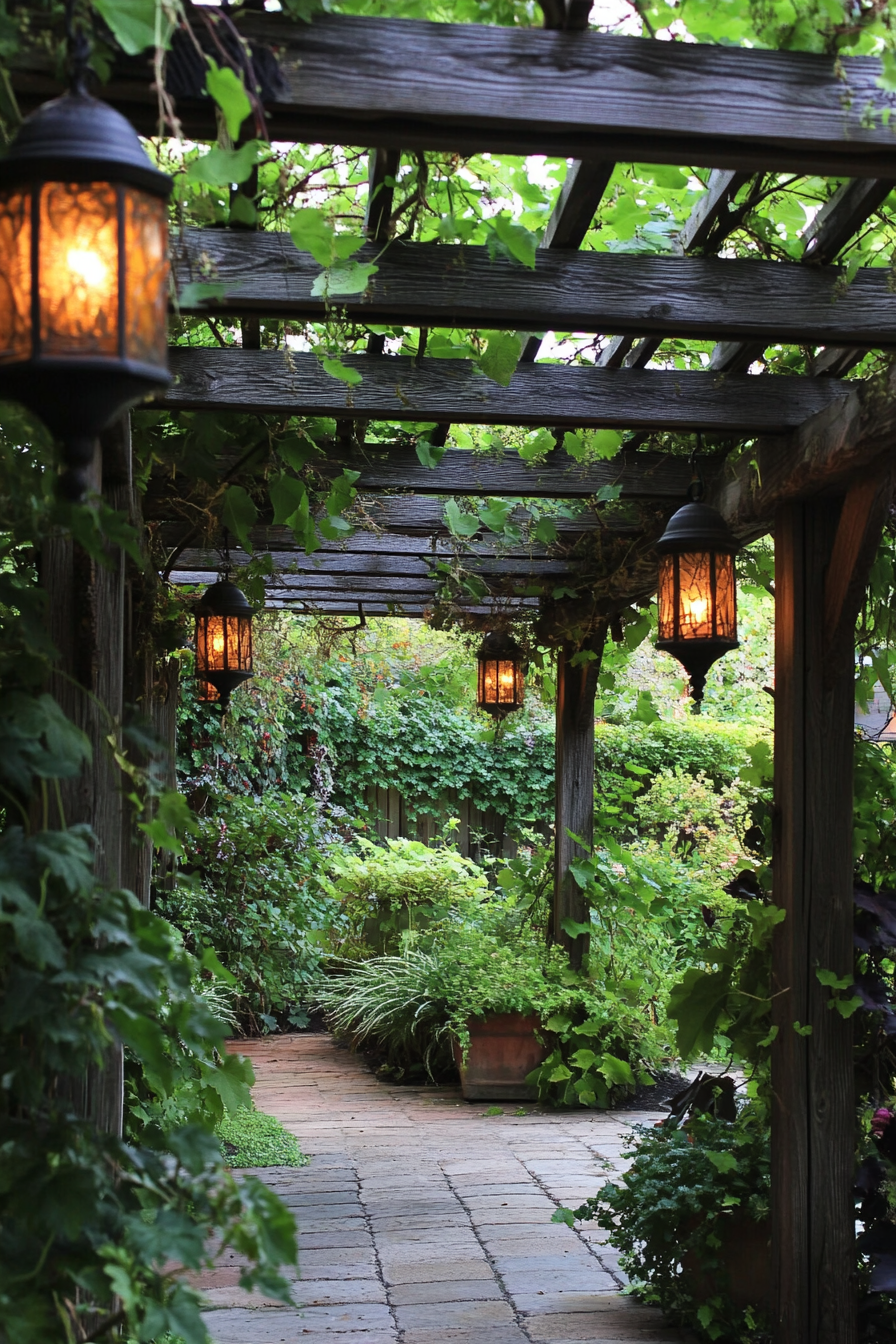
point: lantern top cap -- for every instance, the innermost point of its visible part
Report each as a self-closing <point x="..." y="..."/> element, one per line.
<point x="697" y="527"/>
<point x="223" y="599"/>
<point x="498" y="644"/>
<point x="79" y="138"/>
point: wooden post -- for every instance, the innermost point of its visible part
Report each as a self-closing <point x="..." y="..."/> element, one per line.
<point x="823" y="550"/>
<point x="85" y="613"/>
<point x="574" y="784"/>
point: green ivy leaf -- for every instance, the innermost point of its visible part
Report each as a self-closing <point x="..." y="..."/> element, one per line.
<point x="239" y="515"/>
<point x="460" y="524"/>
<point x="723" y="1162"/>
<point x="336" y="369"/>
<point x="546" y="531"/>
<point x="517" y="241"/>
<point x="225" y="167"/>
<point x="133" y="23"/>
<point x="353" y="278"/>
<point x="430" y="454"/>
<point x="229" y="92"/>
<point x="287" y="494"/>
<point x="501" y="356"/>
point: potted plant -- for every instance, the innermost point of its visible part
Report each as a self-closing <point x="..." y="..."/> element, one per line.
<point x="690" y="1217"/>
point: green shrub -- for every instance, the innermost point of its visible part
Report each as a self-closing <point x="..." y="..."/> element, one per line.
<point x="392" y="894"/>
<point x="248" y="889"/>
<point x="693" y="746"/>
<point x="252" y="1139"/>
<point x="683" y="1186"/>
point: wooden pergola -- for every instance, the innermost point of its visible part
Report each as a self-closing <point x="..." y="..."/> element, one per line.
<point x="818" y="473"/>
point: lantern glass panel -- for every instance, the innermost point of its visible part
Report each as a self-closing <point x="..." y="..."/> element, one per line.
<point x="726" y="597"/>
<point x="697" y="596"/>
<point x="78" y="268"/>
<point x="146" y="290"/>
<point x="224" y="644"/>
<point x="15" y="275"/>
<point x="501" y="681"/>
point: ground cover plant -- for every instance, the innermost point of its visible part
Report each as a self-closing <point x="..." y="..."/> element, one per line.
<point x="250" y="1138"/>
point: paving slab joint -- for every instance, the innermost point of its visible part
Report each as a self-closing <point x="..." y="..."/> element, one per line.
<point x="612" y="1270"/>
<point x="518" y="1318"/>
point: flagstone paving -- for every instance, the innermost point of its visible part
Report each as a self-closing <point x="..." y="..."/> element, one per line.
<point x="424" y="1220"/>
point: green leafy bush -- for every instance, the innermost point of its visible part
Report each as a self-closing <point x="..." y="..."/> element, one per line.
<point x="716" y="750"/>
<point x="683" y="1188"/>
<point x="248" y="889"/>
<point x="252" y="1139"/>
<point x="391" y="894"/>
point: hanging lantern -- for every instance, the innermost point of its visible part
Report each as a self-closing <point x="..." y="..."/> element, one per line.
<point x="697" y="593"/>
<point x="83" y="272"/>
<point x="502" y="683"/>
<point x="223" y="639"/>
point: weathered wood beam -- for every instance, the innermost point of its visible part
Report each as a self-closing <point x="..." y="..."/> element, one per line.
<point x="821" y="457"/>
<point x="455" y="390"/>
<point x="469" y="87"/>
<point x="421" y="284"/>
<point x="384" y="565"/>
<point x="347" y="606"/>
<point x="830" y="231"/>
<point x="654" y="476"/>
<point x="841" y="217"/>
<point x="705" y="229"/>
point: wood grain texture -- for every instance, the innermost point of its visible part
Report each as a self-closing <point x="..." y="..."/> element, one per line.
<point x="524" y="91"/>
<point x="435" y="285"/>
<point x="705" y="227"/>
<point x="574" y="784"/>
<point x="822" y="455"/>
<point x="840" y="218"/>
<point x="455" y="390"/>
<point x="649" y="476"/>
<point x="813" y="1146"/>
<point x="296" y="564"/>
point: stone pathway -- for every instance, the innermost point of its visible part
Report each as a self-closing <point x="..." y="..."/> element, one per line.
<point x="423" y="1220"/>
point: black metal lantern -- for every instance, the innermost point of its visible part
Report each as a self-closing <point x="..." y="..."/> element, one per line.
<point x="697" y="595"/>
<point x="83" y="272"/>
<point x="223" y="639"/>
<point x="501" y="684"/>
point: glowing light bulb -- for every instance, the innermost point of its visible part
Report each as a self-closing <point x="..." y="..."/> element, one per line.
<point x="87" y="266"/>
<point x="697" y="609"/>
<point x="218" y="642"/>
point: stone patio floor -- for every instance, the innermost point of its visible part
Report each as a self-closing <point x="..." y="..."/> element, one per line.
<point x="424" y="1220"/>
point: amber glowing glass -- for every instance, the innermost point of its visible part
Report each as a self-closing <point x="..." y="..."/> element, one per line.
<point x="78" y="269"/>
<point x="697" y="597"/>
<point x="15" y="275"/>
<point x="501" y="683"/>
<point x="206" y="693"/>
<point x="223" y="644"/>
<point x="79" y="272"/>
<point x="146" y="287"/>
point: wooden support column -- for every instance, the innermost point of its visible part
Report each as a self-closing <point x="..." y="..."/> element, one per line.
<point x="824" y="549"/>
<point x="85" y="613"/>
<point x="574" y="784"/>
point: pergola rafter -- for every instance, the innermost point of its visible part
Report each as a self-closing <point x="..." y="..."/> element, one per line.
<point x="454" y="286"/>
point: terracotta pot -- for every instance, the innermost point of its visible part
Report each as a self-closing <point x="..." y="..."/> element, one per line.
<point x="746" y="1254"/>
<point x="503" y="1050"/>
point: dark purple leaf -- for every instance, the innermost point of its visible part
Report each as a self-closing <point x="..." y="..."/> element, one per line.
<point x="883" y="1275"/>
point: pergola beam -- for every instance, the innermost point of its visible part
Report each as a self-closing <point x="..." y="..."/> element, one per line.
<point x="820" y="458"/>
<point x="651" y="476"/>
<point x="393" y="388"/>
<point x="420" y="284"/>
<point x="469" y="88"/>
